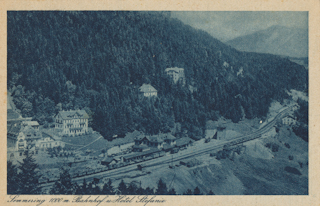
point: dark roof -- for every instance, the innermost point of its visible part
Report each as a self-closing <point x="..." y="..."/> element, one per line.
<point x="161" y="137"/>
<point x="155" y="138"/>
<point x="183" y="141"/>
<point x="138" y="154"/>
<point x="107" y="159"/>
<point x="14" y="128"/>
<point x="167" y="146"/>
<point x="71" y="114"/>
<point x="140" y="146"/>
<point x="170" y="137"/>
<point x="139" y="137"/>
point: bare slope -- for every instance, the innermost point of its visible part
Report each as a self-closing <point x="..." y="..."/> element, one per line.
<point x="278" y="40"/>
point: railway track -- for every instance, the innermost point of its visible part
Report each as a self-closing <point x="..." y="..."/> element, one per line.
<point x="166" y="159"/>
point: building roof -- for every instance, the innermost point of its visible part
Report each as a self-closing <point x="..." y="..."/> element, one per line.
<point x="156" y="138"/>
<point x="72" y="113"/>
<point x="31" y="133"/>
<point x="169" y="136"/>
<point x="139" y="137"/>
<point x="107" y="159"/>
<point x="31" y="123"/>
<point x="168" y="146"/>
<point x="183" y="141"/>
<point x="11" y="114"/>
<point x="175" y="69"/>
<point x="13" y="130"/>
<point x="138" y="154"/>
<point x="147" y="88"/>
<point x="141" y="147"/>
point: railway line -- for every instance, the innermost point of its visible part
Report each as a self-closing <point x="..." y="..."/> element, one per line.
<point x="167" y="159"/>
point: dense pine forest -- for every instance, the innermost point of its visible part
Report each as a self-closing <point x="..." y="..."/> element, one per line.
<point x="96" y="61"/>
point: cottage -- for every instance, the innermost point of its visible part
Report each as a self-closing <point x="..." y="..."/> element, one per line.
<point x="71" y="123"/>
<point x="31" y="136"/>
<point x="184" y="142"/>
<point x="176" y="74"/>
<point x="289" y="120"/>
<point x="33" y="124"/>
<point x="48" y="141"/>
<point x="13" y="131"/>
<point x="155" y="141"/>
<point x="146" y="90"/>
<point x="109" y="161"/>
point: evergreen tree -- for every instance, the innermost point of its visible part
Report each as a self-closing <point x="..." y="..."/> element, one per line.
<point x="162" y="188"/>
<point x="210" y="192"/>
<point x="83" y="188"/>
<point x="172" y="192"/>
<point x="63" y="185"/>
<point x="188" y="192"/>
<point x="196" y="191"/>
<point x="122" y="188"/>
<point x="12" y="178"/>
<point x="149" y="191"/>
<point x="132" y="189"/>
<point x="108" y="188"/>
<point x="28" y="176"/>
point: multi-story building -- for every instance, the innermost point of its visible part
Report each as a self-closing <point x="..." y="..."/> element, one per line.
<point x="72" y="123"/>
<point x="176" y="74"/>
<point x="147" y="90"/>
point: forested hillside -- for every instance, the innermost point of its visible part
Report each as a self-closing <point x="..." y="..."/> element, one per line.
<point x="97" y="60"/>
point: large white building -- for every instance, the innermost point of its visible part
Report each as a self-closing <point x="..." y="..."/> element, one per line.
<point x="177" y="74"/>
<point x="147" y="90"/>
<point x="71" y="123"/>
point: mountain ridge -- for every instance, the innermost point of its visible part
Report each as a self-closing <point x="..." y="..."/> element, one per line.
<point x="278" y="40"/>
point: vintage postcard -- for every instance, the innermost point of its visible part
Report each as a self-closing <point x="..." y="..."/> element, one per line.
<point x="156" y="104"/>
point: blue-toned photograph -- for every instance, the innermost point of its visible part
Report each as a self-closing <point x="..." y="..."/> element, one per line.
<point x="157" y="103"/>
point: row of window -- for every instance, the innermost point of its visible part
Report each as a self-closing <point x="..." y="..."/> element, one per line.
<point x="71" y="120"/>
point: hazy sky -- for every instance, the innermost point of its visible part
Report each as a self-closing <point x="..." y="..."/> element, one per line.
<point x="226" y="25"/>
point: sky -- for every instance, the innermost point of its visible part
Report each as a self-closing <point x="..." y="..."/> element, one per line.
<point x="227" y="25"/>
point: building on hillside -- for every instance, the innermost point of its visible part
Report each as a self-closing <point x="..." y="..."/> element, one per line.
<point x="33" y="124"/>
<point x="155" y="141"/>
<point x="31" y="136"/>
<point x="146" y="90"/>
<point x="49" y="141"/>
<point x="176" y="74"/>
<point x="289" y="120"/>
<point x="13" y="131"/>
<point x="71" y="123"/>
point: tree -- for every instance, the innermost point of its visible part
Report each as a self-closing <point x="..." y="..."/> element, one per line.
<point x="188" y="192"/>
<point x="149" y="191"/>
<point x="172" y="192"/>
<point x="196" y="191"/>
<point x="83" y="189"/>
<point x="63" y="185"/>
<point x="132" y="189"/>
<point x="108" y="188"/>
<point x="28" y="176"/>
<point x="12" y="178"/>
<point x="162" y="188"/>
<point x="122" y="188"/>
<point x="210" y="192"/>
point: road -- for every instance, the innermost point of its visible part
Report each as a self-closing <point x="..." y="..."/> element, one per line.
<point x="192" y="151"/>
